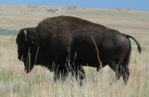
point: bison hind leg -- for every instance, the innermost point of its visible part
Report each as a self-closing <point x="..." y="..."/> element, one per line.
<point x="120" y="69"/>
<point x="117" y="69"/>
<point x="124" y="72"/>
<point x="126" y="75"/>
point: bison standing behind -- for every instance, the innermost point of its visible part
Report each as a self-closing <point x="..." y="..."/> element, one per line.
<point x="64" y="44"/>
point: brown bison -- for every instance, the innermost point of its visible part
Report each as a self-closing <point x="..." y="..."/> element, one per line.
<point x="64" y="44"/>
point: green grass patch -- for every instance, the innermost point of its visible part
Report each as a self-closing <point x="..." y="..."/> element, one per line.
<point x="6" y="32"/>
<point x="6" y="75"/>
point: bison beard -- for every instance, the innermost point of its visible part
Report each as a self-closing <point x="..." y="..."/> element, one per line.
<point x="64" y="44"/>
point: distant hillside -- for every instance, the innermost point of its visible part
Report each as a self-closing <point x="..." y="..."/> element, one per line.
<point x="13" y="18"/>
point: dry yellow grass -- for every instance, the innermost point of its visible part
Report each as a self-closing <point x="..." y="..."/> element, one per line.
<point x="14" y="82"/>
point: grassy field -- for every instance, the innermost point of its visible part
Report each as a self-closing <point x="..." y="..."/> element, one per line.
<point x="14" y="82"/>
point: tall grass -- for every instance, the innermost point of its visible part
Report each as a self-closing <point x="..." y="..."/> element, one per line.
<point x="14" y="82"/>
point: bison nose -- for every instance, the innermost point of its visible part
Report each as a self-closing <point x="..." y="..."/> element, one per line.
<point x="20" y="57"/>
<point x="27" y="71"/>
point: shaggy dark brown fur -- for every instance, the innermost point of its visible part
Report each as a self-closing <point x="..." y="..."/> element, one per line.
<point x="64" y="44"/>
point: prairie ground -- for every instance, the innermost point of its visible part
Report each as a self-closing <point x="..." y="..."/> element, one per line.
<point x="14" y="82"/>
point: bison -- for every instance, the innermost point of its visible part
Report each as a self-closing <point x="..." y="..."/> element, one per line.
<point x="65" y="44"/>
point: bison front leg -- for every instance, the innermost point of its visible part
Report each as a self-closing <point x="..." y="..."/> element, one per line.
<point x="60" y="74"/>
<point x="78" y="72"/>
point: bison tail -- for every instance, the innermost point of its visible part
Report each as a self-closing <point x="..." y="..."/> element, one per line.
<point x="139" y="47"/>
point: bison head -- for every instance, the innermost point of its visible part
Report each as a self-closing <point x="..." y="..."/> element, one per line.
<point x="27" y="47"/>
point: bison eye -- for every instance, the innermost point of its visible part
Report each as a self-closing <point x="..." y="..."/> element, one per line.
<point x="23" y="47"/>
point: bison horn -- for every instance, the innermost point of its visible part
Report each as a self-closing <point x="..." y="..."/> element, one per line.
<point x="25" y="35"/>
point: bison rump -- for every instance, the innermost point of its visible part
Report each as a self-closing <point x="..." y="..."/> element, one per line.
<point x="114" y="49"/>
